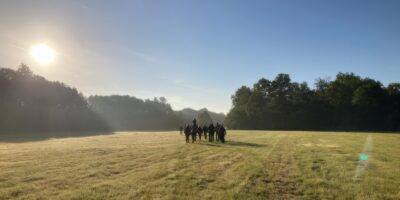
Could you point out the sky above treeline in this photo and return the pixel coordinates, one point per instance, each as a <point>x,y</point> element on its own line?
<point>197,53</point>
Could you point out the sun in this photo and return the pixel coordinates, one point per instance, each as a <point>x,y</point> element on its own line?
<point>42,54</point>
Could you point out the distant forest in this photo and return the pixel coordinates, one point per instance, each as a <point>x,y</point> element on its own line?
<point>30,103</point>
<point>347,103</point>
<point>131,113</point>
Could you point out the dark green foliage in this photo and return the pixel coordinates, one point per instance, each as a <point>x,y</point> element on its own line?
<point>347,103</point>
<point>31,103</point>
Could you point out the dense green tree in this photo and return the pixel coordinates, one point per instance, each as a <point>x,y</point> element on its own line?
<point>347,103</point>
<point>30,103</point>
<point>238,115</point>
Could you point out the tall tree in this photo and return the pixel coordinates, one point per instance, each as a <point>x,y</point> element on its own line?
<point>30,103</point>
<point>347,103</point>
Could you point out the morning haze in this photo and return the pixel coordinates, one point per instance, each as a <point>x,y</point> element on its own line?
<point>222,99</point>
<point>189,51</point>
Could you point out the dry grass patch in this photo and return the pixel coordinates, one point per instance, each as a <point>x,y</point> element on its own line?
<point>160,165</point>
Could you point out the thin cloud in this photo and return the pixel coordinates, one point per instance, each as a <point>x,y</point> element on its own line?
<point>143,56</point>
<point>185,84</point>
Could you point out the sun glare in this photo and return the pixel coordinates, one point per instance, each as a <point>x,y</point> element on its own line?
<point>42,54</point>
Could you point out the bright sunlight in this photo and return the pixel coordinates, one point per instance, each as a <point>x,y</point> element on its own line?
<point>42,54</point>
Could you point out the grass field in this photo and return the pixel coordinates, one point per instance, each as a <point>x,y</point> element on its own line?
<point>159,165</point>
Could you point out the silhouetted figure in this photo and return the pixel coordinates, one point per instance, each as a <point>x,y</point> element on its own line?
<point>187,133</point>
<point>217,131</point>
<point>205,131</point>
<point>180,130</point>
<point>194,133</point>
<point>221,133</point>
<point>211,131</point>
<point>194,121</point>
<point>199,131</point>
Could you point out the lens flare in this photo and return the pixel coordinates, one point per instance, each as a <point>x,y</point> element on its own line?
<point>363,157</point>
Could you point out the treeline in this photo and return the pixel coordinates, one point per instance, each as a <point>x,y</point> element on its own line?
<point>30,103</point>
<point>131,113</point>
<point>347,103</point>
<point>203,116</point>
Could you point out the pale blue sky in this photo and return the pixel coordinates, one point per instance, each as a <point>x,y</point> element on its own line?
<point>197,53</point>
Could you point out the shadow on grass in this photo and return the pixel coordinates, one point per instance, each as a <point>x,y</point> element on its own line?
<point>244,144</point>
<point>212,144</point>
<point>233,143</point>
<point>38,136</point>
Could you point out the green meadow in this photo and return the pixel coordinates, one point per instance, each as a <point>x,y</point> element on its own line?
<point>160,165</point>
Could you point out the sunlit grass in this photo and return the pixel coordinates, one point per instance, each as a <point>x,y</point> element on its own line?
<point>252,165</point>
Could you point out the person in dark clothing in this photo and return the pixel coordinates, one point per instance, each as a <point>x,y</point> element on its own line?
<point>187,133</point>
<point>211,131</point>
<point>199,131</point>
<point>205,131</point>
<point>217,131</point>
<point>222,133</point>
<point>194,133</point>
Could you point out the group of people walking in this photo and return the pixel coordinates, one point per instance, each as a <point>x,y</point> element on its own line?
<point>212,133</point>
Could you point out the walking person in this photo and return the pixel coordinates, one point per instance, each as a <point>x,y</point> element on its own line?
<point>216,132</point>
<point>194,133</point>
<point>199,131</point>
<point>211,131</point>
<point>222,133</point>
<point>187,133</point>
<point>205,131</point>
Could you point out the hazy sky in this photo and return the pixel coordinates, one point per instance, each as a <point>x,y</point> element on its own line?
<point>196,53</point>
